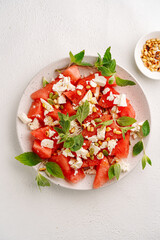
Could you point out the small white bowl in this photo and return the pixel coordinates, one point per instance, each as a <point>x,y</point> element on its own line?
<point>137,55</point>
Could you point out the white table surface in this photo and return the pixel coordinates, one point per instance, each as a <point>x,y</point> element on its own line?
<point>34,33</point>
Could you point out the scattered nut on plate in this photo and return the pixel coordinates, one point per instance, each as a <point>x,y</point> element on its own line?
<point>151,54</point>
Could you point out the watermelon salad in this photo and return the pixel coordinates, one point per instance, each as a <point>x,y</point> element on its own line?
<point>81,126</point>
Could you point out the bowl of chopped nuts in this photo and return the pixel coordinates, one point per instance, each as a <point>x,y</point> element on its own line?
<point>147,55</point>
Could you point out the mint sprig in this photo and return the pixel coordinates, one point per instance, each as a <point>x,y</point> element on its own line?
<point>42,181</point>
<point>29,158</point>
<point>82,112</point>
<point>77,59</point>
<point>44,82</point>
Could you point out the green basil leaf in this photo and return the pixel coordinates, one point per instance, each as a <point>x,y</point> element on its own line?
<point>138,147</point>
<point>54,170</point>
<point>78,142</point>
<point>59,130</point>
<point>122,82</point>
<point>126,121</point>
<point>44,82</point>
<point>105,153</point>
<point>112,66</point>
<point>107,55</point>
<point>105,71</point>
<point>145,128</point>
<point>105,123</point>
<point>111,173</point>
<point>42,181</point>
<point>68,143</point>
<point>29,158</point>
<point>82,112</point>
<point>117,170</point>
<point>79,56</point>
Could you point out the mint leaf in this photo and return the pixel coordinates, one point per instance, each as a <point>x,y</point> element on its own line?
<point>72,117</point>
<point>105,71</point>
<point>44,82</point>
<point>29,158</point>
<point>97,120</point>
<point>117,170</point>
<point>105,153</point>
<point>78,142</point>
<point>82,112</point>
<point>42,181</point>
<point>54,169</point>
<point>112,65</point>
<point>99,61</point>
<point>126,121</point>
<point>59,130</point>
<point>111,79</point>
<point>107,55</point>
<point>138,147</point>
<point>68,143</point>
<point>145,160</point>
<point>65,125</point>
<point>111,173</point>
<point>105,123</point>
<point>79,56</point>
<point>63,117</point>
<point>114,171</point>
<point>72,58</point>
<point>145,128</point>
<point>122,82</point>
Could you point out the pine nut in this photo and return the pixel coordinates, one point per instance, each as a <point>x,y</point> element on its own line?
<point>79,93</point>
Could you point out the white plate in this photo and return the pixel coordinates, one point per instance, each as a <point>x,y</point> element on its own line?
<point>134,93</point>
<point>137,55</point>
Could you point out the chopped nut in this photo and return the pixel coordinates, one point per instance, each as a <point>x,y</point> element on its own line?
<point>72,130</point>
<point>100,142</point>
<point>42,169</point>
<point>55,101</point>
<point>79,93</point>
<point>94,109</point>
<point>88,155</point>
<point>92,129</point>
<point>108,139</point>
<point>108,129</point>
<point>99,155</point>
<point>56,106</point>
<point>84,126</point>
<point>88,87</point>
<point>88,128</point>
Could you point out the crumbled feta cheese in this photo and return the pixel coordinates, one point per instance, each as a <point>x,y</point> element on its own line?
<point>100,80</point>
<point>124,166</point>
<point>96,94</point>
<point>50,133</point>
<point>137,127</point>
<point>106,90</point>
<point>93,84</point>
<point>47,143</point>
<point>82,153</point>
<point>61,99</point>
<point>120,100</point>
<point>76,164</point>
<point>80,87</point>
<point>111,145</point>
<point>48,120</point>
<point>114,109</point>
<point>90,171</point>
<point>67,153</point>
<point>100,157</point>
<point>101,133</point>
<point>110,97</point>
<point>63,85</point>
<point>93,138</point>
<point>34,125</point>
<point>95,148</point>
<point>87,97</point>
<point>45,112</point>
<point>75,172</point>
<point>46,105</point>
<point>87,124</point>
<point>23,117</point>
<point>104,145</point>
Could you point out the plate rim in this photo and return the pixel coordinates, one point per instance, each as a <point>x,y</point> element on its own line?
<point>50,179</point>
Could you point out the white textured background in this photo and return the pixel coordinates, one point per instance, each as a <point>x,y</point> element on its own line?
<point>34,33</point>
